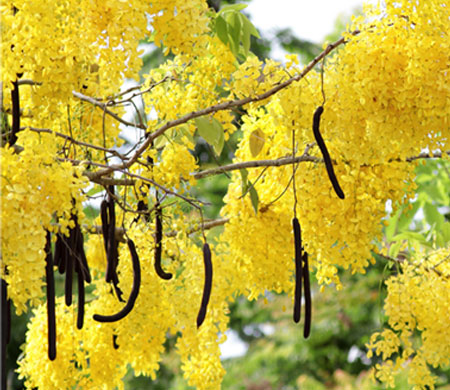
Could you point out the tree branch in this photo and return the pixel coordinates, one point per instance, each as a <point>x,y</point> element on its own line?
<point>227,105</point>
<point>255,164</point>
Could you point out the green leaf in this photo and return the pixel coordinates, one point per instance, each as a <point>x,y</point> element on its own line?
<point>406,216</point>
<point>95,190</point>
<point>445,233</point>
<point>234,31</point>
<point>256,142</point>
<point>233,7</point>
<point>212,132</point>
<point>254,198</point>
<point>221,29</point>
<point>160,142</point>
<point>392,227</point>
<point>246,39</point>
<point>244,175</point>
<point>219,142</point>
<point>433,216</point>
<point>394,249</point>
<point>247,25</point>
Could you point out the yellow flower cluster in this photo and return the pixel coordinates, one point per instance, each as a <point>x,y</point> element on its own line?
<point>418,312</point>
<point>37,191</point>
<point>179,25</point>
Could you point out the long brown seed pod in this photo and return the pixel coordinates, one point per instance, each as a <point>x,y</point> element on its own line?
<point>325,154</point>
<point>158,246</point>
<point>81,256</point>
<point>112,253</point>
<point>80,314</point>
<point>134,290</point>
<point>207,286</point>
<point>307,325</point>
<point>51,318</point>
<point>298,269</point>
<point>64,253</point>
<point>81,261</point>
<point>104,218</point>
<point>15,101</point>
<point>6,329</point>
<point>69,269</point>
<point>6,314</point>
<point>58,250</point>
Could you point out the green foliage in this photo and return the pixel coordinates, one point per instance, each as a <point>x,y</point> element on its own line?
<point>235,29</point>
<point>212,132</point>
<point>423,221</point>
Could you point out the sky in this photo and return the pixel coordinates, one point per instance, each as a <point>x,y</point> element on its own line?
<point>309,19</point>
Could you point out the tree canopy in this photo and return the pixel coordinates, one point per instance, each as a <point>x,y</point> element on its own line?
<point>317,151</point>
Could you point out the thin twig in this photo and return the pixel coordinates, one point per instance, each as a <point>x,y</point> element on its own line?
<point>103,106</point>
<point>73,140</point>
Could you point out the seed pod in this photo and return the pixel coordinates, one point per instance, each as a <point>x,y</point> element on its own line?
<point>15,101</point>
<point>111,253</point>
<point>81,297</point>
<point>69,269</point>
<point>207,286</point>
<point>307,326</point>
<point>115,345</point>
<point>51,318</point>
<point>6,329</point>
<point>325,154</point>
<point>82,261</point>
<point>158,246</point>
<point>6,313</point>
<point>104,218</point>
<point>298,269</point>
<point>117,289</point>
<point>134,291</point>
<point>58,250</point>
<point>64,254</point>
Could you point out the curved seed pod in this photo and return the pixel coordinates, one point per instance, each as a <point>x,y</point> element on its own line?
<point>158,246</point>
<point>134,291</point>
<point>117,289</point>
<point>51,319</point>
<point>307,326</point>
<point>207,286</point>
<point>298,269</point>
<point>115,345</point>
<point>325,154</point>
